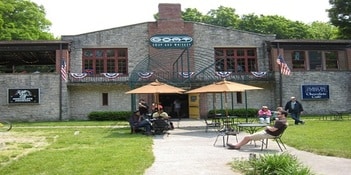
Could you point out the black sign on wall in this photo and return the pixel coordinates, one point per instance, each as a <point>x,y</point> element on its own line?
<point>23,95</point>
<point>315,92</point>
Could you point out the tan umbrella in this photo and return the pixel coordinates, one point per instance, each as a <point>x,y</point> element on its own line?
<point>224,86</point>
<point>156,88</point>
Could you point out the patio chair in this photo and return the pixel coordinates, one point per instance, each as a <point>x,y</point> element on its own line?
<point>212,122</point>
<point>277,139</point>
<point>226,133</point>
<point>160,126</point>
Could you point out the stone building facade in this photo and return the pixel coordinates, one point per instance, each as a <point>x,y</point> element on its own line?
<point>103,65</point>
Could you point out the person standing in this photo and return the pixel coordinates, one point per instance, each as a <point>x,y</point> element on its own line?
<point>177,105</point>
<point>143,108</point>
<point>295,109</point>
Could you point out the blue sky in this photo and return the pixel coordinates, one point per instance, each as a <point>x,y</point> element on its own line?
<point>70,17</point>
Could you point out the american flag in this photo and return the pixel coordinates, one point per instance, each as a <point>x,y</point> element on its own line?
<point>63,71</point>
<point>284,69</point>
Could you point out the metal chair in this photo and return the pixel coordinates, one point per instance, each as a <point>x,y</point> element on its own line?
<point>277,139</point>
<point>227,133</point>
<point>212,122</point>
<point>229,129</point>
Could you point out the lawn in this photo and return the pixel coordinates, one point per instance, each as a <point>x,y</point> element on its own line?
<point>324,137</point>
<point>74,148</point>
<point>90,148</point>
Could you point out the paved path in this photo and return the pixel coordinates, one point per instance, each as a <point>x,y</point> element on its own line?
<point>189,150</point>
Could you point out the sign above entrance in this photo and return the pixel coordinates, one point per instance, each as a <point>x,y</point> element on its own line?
<point>171,41</point>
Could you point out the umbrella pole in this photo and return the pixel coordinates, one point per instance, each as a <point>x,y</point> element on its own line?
<point>246,108</point>
<point>226,104</point>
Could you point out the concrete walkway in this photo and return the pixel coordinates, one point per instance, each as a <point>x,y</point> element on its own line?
<point>189,150</point>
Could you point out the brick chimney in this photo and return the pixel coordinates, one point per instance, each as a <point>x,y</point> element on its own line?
<point>170,16</point>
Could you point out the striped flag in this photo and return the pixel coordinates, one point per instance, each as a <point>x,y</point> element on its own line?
<point>63,71</point>
<point>284,69</point>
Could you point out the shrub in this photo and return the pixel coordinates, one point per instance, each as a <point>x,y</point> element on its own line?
<point>272,164</point>
<point>109,115</point>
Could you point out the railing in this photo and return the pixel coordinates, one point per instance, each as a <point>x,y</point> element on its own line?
<point>173,78</point>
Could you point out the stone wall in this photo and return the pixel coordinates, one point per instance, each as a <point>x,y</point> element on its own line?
<point>48,107</point>
<point>339,90</point>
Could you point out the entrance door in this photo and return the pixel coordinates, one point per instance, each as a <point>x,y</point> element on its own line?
<point>194,106</point>
<point>167,101</point>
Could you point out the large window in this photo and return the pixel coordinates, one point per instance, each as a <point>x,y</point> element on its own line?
<point>315,60</point>
<point>298,60</point>
<point>96,61</point>
<point>331,60</point>
<point>236,59</point>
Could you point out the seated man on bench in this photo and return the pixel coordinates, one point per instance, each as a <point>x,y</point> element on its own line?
<point>136,121</point>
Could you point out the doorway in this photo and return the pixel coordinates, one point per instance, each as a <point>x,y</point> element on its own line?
<point>167,101</point>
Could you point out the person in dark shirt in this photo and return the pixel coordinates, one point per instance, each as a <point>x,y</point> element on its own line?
<point>143,108</point>
<point>136,121</point>
<point>269,133</point>
<point>295,109</point>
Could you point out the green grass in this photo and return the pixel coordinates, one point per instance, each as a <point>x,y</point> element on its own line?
<point>95,150</point>
<point>324,137</point>
<point>100,148</point>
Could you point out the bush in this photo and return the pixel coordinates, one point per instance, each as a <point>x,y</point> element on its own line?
<point>109,115</point>
<point>272,164</point>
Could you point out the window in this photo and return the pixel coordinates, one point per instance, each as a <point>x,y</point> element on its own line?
<point>96,61</point>
<point>331,60</point>
<point>315,60</point>
<point>298,59</point>
<point>235,59</point>
<point>239,97</point>
<point>104,99</point>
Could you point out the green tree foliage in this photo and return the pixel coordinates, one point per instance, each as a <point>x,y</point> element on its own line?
<point>321,30</point>
<point>274,24</point>
<point>223,16</point>
<point>192,14</point>
<point>340,16</point>
<point>271,24</point>
<point>23,20</point>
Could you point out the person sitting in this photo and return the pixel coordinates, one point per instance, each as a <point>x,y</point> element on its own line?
<point>160,114</point>
<point>264,115</point>
<point>269,133</point>
<point>136,121</point>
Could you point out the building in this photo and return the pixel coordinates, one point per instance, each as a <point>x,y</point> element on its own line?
<point>102,65</point>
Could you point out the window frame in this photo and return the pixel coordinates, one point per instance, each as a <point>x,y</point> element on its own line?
<point>98,60</point>
<point>236,60</point>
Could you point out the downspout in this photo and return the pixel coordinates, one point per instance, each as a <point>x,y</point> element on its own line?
<point>60,89</point>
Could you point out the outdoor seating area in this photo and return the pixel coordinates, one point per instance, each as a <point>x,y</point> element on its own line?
<point>336,115</point>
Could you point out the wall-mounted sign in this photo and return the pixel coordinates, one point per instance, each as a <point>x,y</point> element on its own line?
<point>23,95</point>
<point>315,92</point>
<point>171,41</point>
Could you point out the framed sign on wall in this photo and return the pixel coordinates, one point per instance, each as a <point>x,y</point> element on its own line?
<point>23,95</point>
<point>315,92</point>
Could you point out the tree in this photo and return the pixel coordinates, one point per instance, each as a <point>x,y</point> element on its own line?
<point>340,16</point>
<point>274,24</point>
<point>223,16</point>
<point>322,30</point>
<point>23,20</point>
<point>192,14</point>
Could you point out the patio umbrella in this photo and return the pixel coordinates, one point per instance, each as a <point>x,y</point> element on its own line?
<point>224,86</point>
<point>156,88</point>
